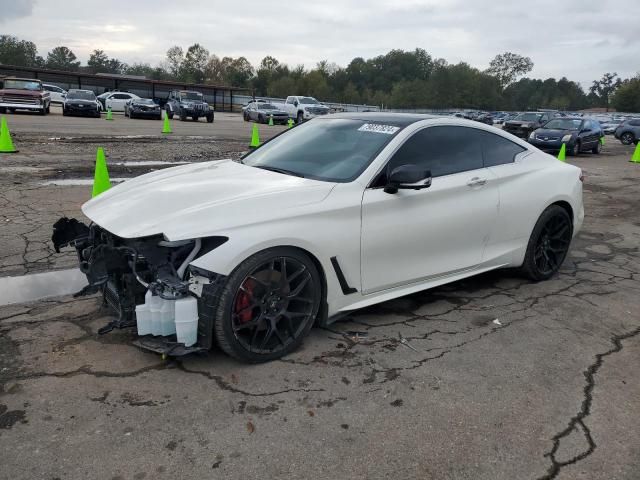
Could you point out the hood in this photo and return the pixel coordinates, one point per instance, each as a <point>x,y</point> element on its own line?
<point>24,93</point>
<point>555,132</point>
<point>202,199</point>
<point>80,101</point>
<point>274,111</point>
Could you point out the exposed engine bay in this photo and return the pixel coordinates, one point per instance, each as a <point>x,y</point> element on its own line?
<point>144,275</point>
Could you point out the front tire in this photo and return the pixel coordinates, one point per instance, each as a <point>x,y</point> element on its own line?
<point>300,118</point>
<point>597,148</point>
<point>575,150</point>
<point>548,244</point>
<point>169,113</point>
<point>210,118</point>
<point>268,305</point>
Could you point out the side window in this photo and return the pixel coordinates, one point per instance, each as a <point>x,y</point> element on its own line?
<point>635,123</point>
<point>587,125</point>
<point>498,150</point>
<point>121,96</point>
<point>443,150</point>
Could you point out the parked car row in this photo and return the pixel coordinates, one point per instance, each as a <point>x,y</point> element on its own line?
<point>298,108</point>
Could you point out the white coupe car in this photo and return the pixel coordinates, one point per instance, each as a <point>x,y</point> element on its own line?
<point>336,214</point>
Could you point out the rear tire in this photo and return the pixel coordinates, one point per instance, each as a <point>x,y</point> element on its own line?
<point>627,138</point>
<point>548,244</point>
<point>261,314</point>
<point>183,116</point>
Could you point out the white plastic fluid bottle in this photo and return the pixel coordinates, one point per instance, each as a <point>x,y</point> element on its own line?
<point>167,317</point>
<point>143,315</point>
<point>186,322</point>
<point>155,302</point>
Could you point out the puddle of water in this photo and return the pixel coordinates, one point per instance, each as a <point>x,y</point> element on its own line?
<point>77,181</point>
<point>40,285</point>
<point>148,163</point>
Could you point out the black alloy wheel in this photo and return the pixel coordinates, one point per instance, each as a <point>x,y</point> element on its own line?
<point>269,304</point>
<point>549,244</point>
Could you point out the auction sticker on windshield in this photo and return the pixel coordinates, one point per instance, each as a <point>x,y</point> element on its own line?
<point>377,128</point>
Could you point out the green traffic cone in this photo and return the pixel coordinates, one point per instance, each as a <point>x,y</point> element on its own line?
<point>166,128</point>
<point>290,122</point>
<point>101,181</point>
<point>255,137</point>
<point>634,159</point>
<point>602,140</point>
<point>6,144</point>
<point>271,120</point>
<point>563,153</point>
<point>109,114</point>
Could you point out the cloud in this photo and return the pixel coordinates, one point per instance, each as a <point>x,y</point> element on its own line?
<point>579,39</point>
<point>11,9</point>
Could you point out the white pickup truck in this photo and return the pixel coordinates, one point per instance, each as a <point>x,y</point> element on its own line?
<point>304,108</point>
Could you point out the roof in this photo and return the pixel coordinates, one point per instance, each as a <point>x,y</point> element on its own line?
<point>401,119</point>
<point>24,79</point>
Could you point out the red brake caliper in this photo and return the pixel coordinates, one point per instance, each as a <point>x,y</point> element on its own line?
<point>243,300</point>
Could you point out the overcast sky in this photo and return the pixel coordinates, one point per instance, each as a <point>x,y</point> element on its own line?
<point>579,39</point>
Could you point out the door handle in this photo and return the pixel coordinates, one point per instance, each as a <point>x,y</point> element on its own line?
<point>476,182</point>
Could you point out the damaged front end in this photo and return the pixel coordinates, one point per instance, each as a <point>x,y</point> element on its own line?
<point>150,276</point>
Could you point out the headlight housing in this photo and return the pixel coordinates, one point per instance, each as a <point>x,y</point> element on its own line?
<point>532,136</point>
<point>567,138</point>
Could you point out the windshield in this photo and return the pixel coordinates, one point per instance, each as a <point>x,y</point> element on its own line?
<point>308,101</point>
<point>80,96</point>
<point>332,150</point>
<point>529,117</point>
<point>563,124</point>
<point>190,96</point>
<point>23,85</point>
<point>266,106</point>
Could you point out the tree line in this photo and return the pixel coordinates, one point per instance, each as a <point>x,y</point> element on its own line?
<point>397,79</point>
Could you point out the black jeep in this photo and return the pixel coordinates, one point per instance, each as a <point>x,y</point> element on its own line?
<point>187,103</point>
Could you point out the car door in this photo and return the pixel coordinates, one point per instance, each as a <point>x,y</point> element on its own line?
<point>253,111</point>
<point>416,235</point>
<point>517,211</point>
<point>595,132</point>
<point>117,101</point>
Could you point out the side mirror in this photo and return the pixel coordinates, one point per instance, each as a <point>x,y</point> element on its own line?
<point>408,177</point>
<point>295,104</point>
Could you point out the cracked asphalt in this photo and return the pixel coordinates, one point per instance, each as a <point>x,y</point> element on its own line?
<point>493,377</point>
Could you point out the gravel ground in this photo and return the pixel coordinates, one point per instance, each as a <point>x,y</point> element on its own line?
<point>502,378</point>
